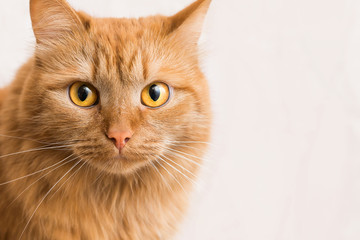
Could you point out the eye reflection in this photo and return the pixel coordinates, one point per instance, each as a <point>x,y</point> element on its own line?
<point>83,94</point>
<point>155,95</point>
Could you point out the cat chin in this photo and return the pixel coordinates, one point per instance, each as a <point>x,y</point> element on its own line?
<point>118,165</point>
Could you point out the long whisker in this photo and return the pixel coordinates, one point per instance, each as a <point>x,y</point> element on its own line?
<point>37,180</point>
<point>42,142</point>
<point>191,180</point>
<point>185,158</point>
<point>35,149</point>
<point>187,154</point>
<point>73,174</point>
<point>32,215</point>
<point>173,178</point>
<point>203,151</point>
<point>31,174</point>
<point>182,167</point>
<point>22,138</point>
<point>186,146</point>
<point>164,180</point>
<point>208,143</point>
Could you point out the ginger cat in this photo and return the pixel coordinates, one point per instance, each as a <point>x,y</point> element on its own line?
<point>103,130</point>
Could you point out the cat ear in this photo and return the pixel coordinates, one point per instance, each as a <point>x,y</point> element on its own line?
<point>187,24</point>
<point>52,20</point>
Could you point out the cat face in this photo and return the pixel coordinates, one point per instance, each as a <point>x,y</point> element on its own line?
<point>121,91</point>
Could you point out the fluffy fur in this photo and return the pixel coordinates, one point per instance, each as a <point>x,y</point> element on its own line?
<point>62,177</point>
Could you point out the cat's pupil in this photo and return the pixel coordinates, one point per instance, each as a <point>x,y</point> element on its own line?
<point>154,92</point>
<point>83,92</point>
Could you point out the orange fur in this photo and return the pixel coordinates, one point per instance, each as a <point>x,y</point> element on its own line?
<point>74,186</point>
<point>3,94</point>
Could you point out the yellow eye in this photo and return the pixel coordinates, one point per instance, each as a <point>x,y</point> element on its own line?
<point>83,94</point>
<point>155,95</point>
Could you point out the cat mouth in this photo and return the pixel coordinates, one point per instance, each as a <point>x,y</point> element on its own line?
<point>119,157</point>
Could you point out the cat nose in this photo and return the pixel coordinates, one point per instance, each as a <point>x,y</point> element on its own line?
<point>119,137</point>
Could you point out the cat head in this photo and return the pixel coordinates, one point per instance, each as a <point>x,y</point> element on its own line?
<point>123,92</point>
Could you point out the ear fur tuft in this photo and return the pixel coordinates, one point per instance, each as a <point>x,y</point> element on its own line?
<point>187,24</point>
<point>52,20</point>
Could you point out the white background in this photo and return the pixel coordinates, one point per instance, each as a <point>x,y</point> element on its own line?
<point>285,82</point>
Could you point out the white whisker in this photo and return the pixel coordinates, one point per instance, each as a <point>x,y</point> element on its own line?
<point>184,168</point>
<point>42,178</point>
<point>32,215</point>
<point>37,141</point>
<point>187,154</point>
<point>185,158</point>
<point>73,174</point>
<point>191,180</point>
<point>164,180</point>
<point>36,149</point>
<point>209,143</point>
<point>175,179</point>
<point>31,174</point>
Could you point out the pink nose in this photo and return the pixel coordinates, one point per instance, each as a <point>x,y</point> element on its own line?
<point>119,137</point>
